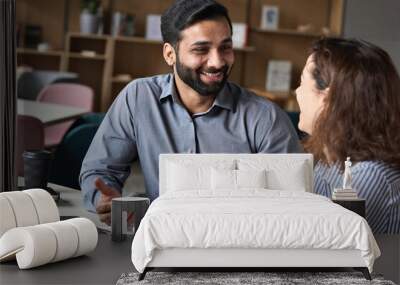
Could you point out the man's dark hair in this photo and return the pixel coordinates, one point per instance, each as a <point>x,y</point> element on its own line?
<point>185,13</point>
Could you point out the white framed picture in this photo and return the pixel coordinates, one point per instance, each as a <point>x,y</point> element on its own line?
<point>239,34</point>
<point>279,74</point>
<point>153,27</point>
<point>270,17</point>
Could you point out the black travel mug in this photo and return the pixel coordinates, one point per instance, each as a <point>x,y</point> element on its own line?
<point>37,165</point>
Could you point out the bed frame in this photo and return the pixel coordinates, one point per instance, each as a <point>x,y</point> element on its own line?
<point>242,259</point>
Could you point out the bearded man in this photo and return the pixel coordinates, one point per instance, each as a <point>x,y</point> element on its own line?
<point>194,109</point>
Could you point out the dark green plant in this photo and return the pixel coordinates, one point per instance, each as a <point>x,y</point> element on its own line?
<point>91,6</point>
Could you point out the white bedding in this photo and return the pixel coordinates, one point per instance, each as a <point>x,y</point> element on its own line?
<point>250,218</point>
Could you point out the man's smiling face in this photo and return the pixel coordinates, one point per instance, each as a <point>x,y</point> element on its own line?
<point>205,56</point>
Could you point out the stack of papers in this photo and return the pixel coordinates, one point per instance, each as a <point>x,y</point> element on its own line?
<point>344,194</point>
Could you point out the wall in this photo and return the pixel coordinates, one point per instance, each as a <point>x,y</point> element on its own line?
<point>376,21</point>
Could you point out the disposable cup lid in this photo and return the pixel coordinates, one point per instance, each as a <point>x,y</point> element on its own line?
<point>38,154</point>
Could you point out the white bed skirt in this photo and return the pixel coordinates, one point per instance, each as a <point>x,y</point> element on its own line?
<point>189,257</point>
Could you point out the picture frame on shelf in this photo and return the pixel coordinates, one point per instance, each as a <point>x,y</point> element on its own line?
<point>270,17</point>
<point>153,27</point>
<point>239,34</point>
<point>279,75</point>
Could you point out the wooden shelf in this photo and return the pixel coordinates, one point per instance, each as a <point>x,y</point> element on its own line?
<point>82,56</point>
<point>89,36</point>
<point>119,80</point>
<point>273,96</point>
<point>245,49</point>
<point>289,32</point>
<point>37,52</point>
<point>140,40</point>
<point>285,100</point>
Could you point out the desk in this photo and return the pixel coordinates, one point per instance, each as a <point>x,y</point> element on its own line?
<point>48,113</point>
<point>104,265</point>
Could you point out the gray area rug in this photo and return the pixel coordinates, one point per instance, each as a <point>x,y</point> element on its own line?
<point>269,278</point>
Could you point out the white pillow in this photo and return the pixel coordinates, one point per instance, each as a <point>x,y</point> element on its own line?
<point>251,178</point>
<point>183,178</point>
<point>237,179</point>
<point>193,175</point>
<point>281,174</point>
<point>293,179</point>
<point>223,179</point>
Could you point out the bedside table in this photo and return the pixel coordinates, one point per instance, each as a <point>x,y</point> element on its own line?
<point>356,205</point>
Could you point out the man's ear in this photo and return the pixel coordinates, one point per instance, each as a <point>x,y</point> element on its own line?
<point>169,54</point>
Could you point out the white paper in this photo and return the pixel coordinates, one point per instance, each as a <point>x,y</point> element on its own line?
<point>278,75</point>
<point>153,27</point>
<point>239,34</point>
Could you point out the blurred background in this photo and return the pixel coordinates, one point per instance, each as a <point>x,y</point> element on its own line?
<point>75,56</point>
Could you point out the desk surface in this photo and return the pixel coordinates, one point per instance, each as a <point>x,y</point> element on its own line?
<point>102,266</point>
<point>48,113</point>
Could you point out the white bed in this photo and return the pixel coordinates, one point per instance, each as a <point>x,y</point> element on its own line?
<point>247,210</point>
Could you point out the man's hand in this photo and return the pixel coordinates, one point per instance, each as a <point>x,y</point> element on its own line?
<point>103,207</point>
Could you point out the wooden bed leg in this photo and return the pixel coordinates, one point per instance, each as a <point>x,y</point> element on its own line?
<point>143,274</point>
<point>364,271</point>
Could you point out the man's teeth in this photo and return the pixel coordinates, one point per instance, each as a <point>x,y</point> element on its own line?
<point>213,74</point>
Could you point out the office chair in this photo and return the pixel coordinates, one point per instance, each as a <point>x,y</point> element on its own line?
<point>68,94</point>
<point>69,155</point>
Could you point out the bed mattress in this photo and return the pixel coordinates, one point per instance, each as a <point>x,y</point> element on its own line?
<point>250,219</point>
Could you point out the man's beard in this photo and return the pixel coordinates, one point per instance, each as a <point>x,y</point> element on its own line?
<point>192,78</point>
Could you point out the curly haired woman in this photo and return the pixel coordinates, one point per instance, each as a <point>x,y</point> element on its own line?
<point>349,99</point>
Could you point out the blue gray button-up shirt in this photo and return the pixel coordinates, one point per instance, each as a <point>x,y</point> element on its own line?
<point>148,119</point>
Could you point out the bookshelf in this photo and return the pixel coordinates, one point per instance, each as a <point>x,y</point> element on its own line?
<point>107,63</point>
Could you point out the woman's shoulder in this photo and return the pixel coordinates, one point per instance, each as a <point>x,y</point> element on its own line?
<point>369,170</point>
<point>377,168</point>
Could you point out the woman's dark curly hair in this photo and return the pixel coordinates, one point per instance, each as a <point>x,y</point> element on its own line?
<point>361,115</point>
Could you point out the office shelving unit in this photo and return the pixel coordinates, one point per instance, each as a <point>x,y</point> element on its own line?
<point>108,63</point>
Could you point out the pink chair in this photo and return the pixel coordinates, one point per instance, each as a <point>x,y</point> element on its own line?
<point>69,94</point>
<point>30,136</point>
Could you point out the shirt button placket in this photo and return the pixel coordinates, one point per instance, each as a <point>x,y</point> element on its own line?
<point>191,137</point>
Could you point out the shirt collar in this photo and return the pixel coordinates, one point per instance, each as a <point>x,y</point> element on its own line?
<point>225,99</point>
<point>169,89</point>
